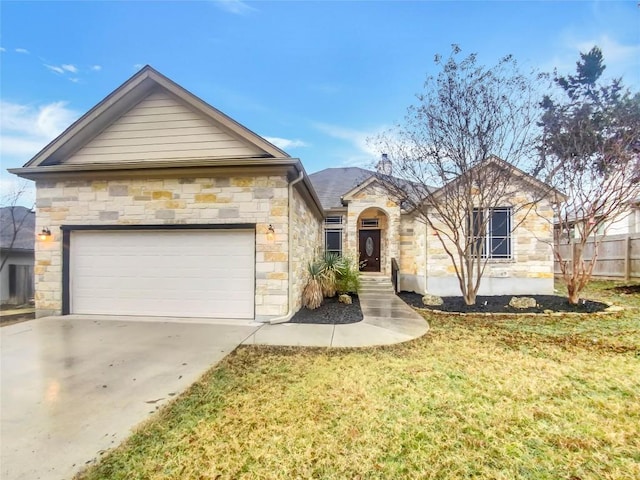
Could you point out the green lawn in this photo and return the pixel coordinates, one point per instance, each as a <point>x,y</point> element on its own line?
<point>528,397</point>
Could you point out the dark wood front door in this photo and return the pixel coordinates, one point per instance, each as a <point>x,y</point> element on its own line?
<point>369,250</point>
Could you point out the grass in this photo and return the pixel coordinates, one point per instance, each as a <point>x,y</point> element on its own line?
<point>477,397</point>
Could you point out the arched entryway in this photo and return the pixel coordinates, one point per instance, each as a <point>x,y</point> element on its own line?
<point>373,227</point>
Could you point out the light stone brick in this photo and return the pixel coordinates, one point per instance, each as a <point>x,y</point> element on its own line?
<point>106,202</point>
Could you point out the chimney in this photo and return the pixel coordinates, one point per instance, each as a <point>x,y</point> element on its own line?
<point>384,166</point>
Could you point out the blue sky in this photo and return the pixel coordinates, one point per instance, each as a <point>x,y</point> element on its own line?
<point>316,78</point>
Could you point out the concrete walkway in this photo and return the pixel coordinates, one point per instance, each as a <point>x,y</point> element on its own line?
<point>387,320</point>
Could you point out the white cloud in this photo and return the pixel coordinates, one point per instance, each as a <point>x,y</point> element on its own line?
<point>11,185</point>
<point>25,129</point>
<point>2,49</point>
<point>138,66</point>
<point>96,68</point>
<point>285,143</point>
<point>360,151</point>
<point>55,69</point>
<point>74,79</point>
<point>69,68</point>
<point>22,50</point>
<point>237,7</point>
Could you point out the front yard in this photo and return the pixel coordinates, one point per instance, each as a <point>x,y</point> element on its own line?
<point>513,397</point>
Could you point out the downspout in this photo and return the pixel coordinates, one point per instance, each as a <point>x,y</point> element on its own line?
<point>289,313</point>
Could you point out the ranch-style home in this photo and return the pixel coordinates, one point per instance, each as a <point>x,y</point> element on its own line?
<point>154,203</point>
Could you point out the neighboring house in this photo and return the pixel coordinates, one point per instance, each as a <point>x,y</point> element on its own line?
<point>17,238</point>
<point>161,205</point>
<point>626,222</point>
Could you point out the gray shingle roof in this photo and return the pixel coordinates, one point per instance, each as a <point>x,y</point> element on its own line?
<point>332,183</point>
<point>26,232</point>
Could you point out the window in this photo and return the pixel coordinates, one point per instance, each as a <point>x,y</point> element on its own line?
<point>333,241</point>
<point>493,239</point>
<point>333,220</point>
<point>369,222</point>
<point>333,234</point>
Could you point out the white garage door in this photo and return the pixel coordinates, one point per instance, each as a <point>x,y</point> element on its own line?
<point>183,273</point>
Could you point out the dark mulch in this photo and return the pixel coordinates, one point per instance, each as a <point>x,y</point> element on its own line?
<point>626,289</point>
<point>331,312</point>
<point>500,304</point>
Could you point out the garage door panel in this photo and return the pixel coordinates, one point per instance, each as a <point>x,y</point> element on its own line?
<point>189,273</point>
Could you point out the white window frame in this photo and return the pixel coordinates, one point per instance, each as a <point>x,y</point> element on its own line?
<point>487,237</point>
<point>369,223</point>
<point>326,243</point>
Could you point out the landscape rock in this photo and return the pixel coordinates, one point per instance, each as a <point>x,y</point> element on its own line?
<point>523,302</point>
<point>344,298</point>
<point>432,300</point>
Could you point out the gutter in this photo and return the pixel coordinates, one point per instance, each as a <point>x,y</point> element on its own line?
<point>289,314</point>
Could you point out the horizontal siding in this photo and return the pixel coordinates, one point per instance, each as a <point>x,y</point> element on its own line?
<point>160,128</point>
<point>155,156</point>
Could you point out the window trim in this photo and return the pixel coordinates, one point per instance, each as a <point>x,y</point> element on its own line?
<point>370,222</point>
<point>487,237</point>
<point>326,243</point>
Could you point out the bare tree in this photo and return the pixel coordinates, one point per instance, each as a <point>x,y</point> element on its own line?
<point>13,221</point>
<point>455,160</point>
<point>589,148</point>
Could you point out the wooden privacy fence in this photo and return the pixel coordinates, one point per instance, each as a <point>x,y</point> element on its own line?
<point>618,256</point>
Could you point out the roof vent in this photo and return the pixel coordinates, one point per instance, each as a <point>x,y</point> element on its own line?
<point>384,166</point>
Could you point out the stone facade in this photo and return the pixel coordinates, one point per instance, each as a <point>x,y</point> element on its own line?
<point>528,271</point>
<point>262,200</point>
<point>307,240</point>
<point>413,251</point>
<point>426,267</point>
<point>373,202</point>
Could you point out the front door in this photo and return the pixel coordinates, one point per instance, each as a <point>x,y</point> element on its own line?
<point>370,250</point>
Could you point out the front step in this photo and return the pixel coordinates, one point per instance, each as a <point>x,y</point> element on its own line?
<point>375,284</point>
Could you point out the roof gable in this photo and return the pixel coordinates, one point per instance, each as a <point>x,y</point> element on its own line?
<point>332,183</point>
<point>150,101</point>
<point>494,162</point>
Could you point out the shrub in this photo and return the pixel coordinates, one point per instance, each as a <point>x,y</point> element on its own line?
<point>348,279</point>
<point>312,293</point>
<point>333,264</point>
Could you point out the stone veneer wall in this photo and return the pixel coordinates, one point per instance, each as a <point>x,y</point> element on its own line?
<point>262,200</point>
<point>307,231</point>
<point>413,249</point>
<point>374,196</point>
<point>530,271</point>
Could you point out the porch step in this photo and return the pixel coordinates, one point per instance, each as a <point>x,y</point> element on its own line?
<point>375,284</point>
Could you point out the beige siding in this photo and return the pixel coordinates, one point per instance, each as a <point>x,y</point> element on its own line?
<point>161,127</point>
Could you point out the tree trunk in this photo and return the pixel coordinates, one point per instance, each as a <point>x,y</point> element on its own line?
<point>573,292</point>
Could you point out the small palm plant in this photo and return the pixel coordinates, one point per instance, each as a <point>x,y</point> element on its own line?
<point>348,280</point>
<point>312,293</point>
<point>333,266</point>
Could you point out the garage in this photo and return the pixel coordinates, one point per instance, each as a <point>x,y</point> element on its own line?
<point>185,272</point>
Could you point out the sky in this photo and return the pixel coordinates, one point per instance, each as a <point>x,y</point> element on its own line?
<point>315,78</point>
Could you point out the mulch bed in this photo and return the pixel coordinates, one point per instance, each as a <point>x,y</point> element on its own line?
<point>331,312</point>
<point>626,289</point>
<point>500,304</point>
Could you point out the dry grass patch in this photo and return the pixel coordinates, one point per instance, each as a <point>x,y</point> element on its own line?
<point>476,397</point>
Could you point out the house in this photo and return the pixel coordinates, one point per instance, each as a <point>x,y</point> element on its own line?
<point>624,221</point>
<point>363,220</point>
<point>17,239</point>
<point>159,204</point>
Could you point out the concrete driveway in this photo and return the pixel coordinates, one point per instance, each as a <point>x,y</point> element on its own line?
<point>72,387</point>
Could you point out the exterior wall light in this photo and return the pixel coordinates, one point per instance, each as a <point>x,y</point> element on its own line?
<point>44,234</point>
<point>271,233</point>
